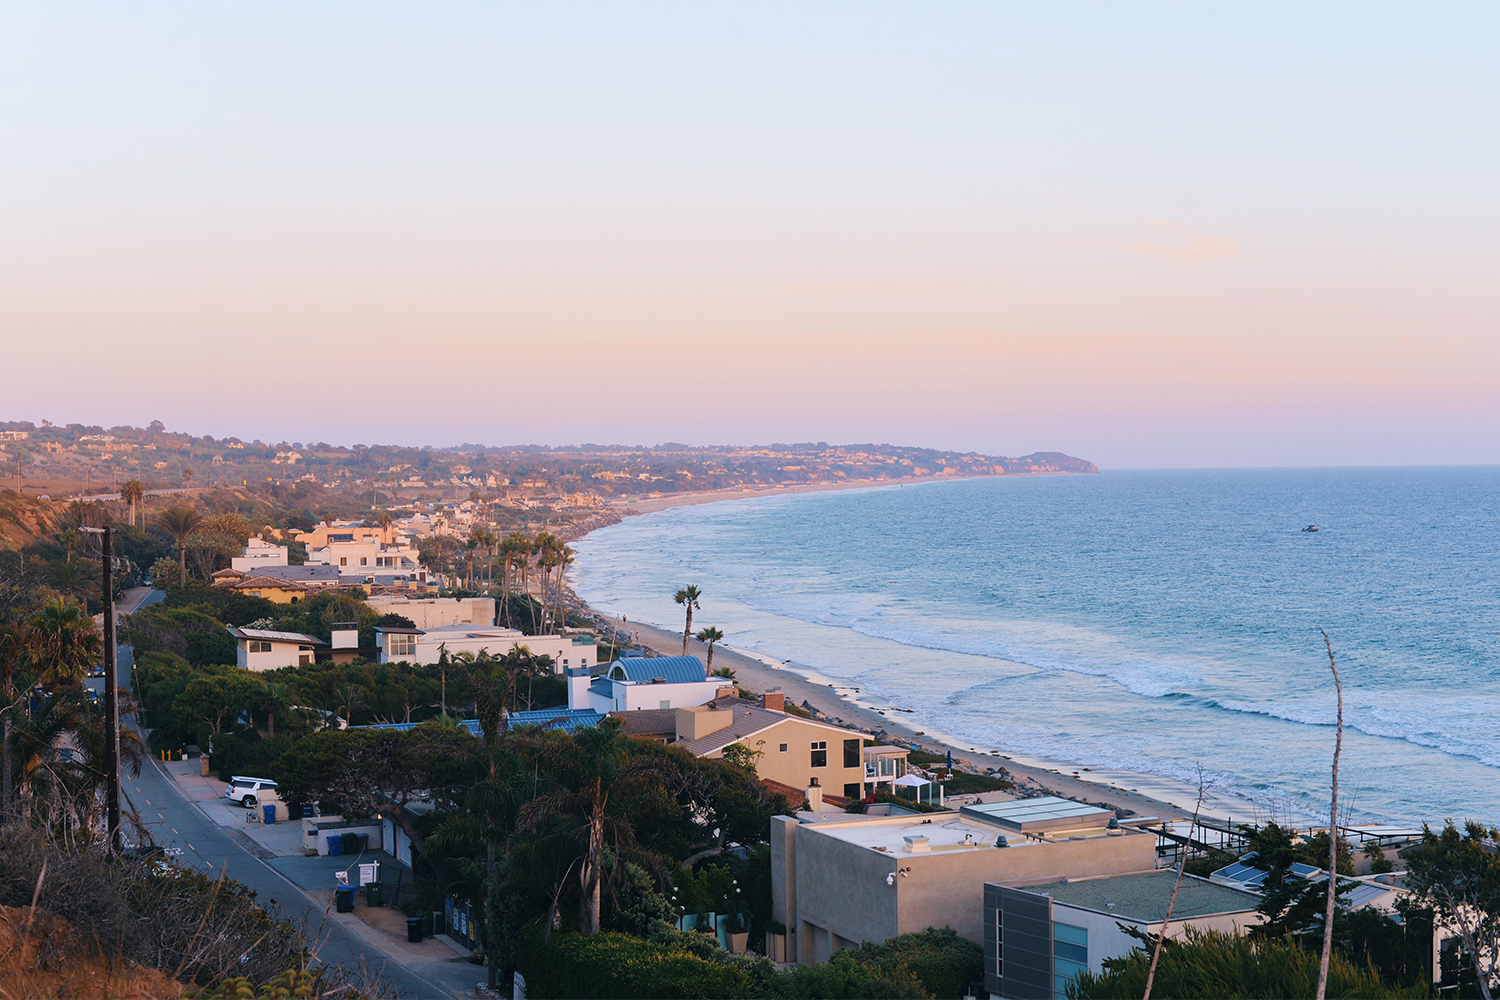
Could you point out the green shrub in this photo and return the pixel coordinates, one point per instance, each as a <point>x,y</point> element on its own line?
<point>1217,964</point>
<point>612,965</point>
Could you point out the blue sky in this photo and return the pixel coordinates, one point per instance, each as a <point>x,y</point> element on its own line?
<point>1152,236</point>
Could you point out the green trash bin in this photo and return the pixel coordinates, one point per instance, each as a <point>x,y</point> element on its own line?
<point>375,894</point>
<point>351,843</point>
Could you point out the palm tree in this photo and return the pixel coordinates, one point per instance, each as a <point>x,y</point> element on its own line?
<point>595,774</point>
<point>347,697</point>
<point>133,493</point>
<point>69,537</point>
<point>180,522</point>
<point>688,596</point>
<point>63,644</point>
<point>277,697</point>
<point>513,547</point>
<point>710,635</point>
<point>564,560</point>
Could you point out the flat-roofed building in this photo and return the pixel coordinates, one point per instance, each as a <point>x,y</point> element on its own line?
<point>426,645</point>
<point>838,881</point>
<point>431,612</point>
<point>1038,937</point>
<point>258,553</point>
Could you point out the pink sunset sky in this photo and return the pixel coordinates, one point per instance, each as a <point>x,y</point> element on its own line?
<point>1166,235</point>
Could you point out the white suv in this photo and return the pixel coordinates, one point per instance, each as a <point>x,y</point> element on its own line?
<point>245,790</point>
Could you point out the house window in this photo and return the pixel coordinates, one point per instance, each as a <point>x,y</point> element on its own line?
<point>1070,955</point>
<point>820,754</point>
<point>402,645</point>
<point>303,660</point>
<point>363,561</point>
<point>258,646</point>
<point>854,791</point>
<point>343,560</point>
<point>851,753</point>
<point>783,748</point>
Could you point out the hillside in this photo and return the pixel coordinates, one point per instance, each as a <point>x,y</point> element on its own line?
<point>73,459</point>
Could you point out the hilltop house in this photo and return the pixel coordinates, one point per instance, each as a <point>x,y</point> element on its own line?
<point>261,649</point>
<point>258,553</point>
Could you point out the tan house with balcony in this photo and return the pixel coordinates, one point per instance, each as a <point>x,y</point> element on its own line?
<point>792,751</point>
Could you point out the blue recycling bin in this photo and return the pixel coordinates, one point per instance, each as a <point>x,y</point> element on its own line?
<point>269,812</point>
<point>336,845</point>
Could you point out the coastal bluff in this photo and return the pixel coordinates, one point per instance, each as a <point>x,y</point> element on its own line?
<point>1045,463</point>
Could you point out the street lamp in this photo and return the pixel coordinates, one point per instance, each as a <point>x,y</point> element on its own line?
<point>111,691</point>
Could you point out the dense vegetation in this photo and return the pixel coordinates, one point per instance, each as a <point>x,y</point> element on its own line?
<point>1212,964</point>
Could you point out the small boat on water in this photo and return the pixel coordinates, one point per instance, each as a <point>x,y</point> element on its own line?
<point>1311,527</point>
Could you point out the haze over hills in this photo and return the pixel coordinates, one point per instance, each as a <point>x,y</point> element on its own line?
<point>64,457</point>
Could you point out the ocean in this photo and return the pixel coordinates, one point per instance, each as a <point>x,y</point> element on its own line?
<point>1165,623</point>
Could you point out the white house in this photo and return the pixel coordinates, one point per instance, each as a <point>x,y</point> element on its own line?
<point>641,682</point>
<point>260,649</point>
<point>257,554</point>
<point>429,612</point>
<point>419,645</point>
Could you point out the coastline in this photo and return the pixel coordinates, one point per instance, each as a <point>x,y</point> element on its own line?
<point>650,505</point>
<point>1143,795</point>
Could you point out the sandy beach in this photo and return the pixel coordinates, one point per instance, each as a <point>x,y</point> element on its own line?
<point>1141,794</point>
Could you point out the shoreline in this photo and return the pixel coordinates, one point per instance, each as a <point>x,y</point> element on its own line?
<point>1144,795</point>
<point>650,505</point>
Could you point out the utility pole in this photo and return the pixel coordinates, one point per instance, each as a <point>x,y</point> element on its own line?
<point>111,693</point>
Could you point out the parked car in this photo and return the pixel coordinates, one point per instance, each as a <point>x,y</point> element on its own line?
<point>246,791</point>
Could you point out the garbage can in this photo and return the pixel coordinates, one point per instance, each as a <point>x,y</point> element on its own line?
<point>344,897</point>
<point>269,812</point>
<point>414,930</point>
<point>374,894</point>
<point>364,842</point>
<point>351,843</point>
<point>335,845</point>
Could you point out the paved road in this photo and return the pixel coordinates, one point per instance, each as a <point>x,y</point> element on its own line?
<point>174,822</point>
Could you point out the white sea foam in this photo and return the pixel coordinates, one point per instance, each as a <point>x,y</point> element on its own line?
<point>1148,621</point>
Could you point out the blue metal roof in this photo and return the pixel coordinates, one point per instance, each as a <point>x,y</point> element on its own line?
<point>565,719</point>
<point>669,669</point>
<point>568,720</point>
<point>469,725</point>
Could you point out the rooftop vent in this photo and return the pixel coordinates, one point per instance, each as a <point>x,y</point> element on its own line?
<point>917,845</point>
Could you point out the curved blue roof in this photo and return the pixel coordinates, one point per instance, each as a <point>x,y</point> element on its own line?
<point>671,669</point>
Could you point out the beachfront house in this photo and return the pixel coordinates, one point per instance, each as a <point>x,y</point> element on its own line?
<point>1039,936</point>
<point>641,682</point>
<point>838,880</point>
<point>425,645</point>
<point>813,760</point>
<point>261,649</point>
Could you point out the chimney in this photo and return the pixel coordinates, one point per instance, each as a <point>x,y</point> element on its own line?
<point>814,796</point>
<point>578,687</point>
<point>724,692</point>
<point>701,720</point>
<point>344,635</point>
<point>774,701</point>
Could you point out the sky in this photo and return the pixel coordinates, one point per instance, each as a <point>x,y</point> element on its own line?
<point>1163,235</point>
